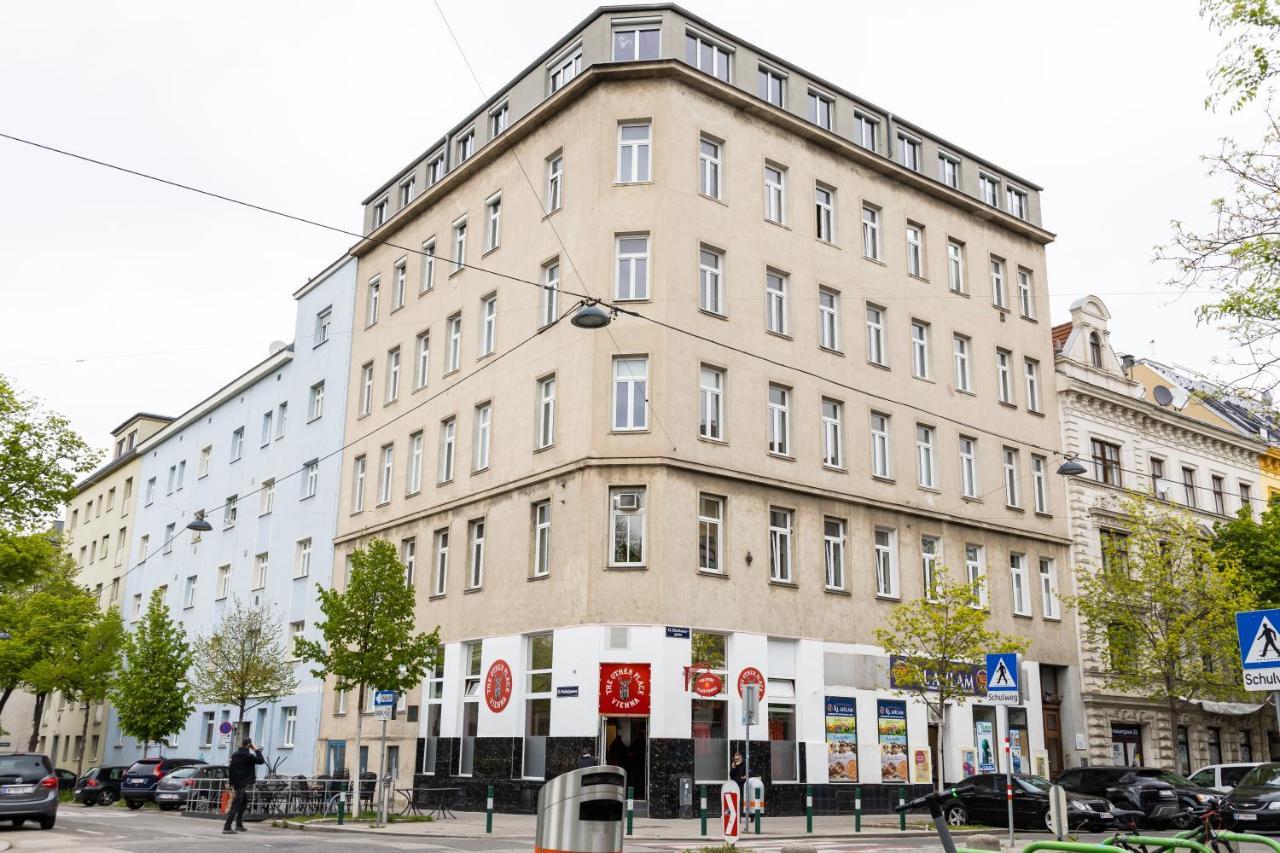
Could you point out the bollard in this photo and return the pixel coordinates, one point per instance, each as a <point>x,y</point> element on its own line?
<point>902,816</point>
<point>808,808</point>
<point>702,807</point>
<point>488,810</point>
<point>342,811</point>
<point>631,793</point>
<point>857,808</point>
<point>757,823</point>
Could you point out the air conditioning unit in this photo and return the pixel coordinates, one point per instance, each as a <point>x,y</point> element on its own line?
<point>1162,492</point>
<point>628,501</point>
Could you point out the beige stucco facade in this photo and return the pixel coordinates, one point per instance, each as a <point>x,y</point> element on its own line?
<point>97,536</point>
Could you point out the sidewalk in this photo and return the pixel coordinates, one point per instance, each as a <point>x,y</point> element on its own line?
<point>521,827</point>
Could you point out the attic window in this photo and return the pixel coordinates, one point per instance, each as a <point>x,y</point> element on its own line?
<point>1095,350</point>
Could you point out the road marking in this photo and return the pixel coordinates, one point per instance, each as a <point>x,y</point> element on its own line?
<point>90,832</point>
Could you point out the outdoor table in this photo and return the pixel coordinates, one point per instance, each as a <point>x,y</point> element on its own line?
<point>442,801</point>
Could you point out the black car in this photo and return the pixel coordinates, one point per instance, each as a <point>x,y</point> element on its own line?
<point>1254,804</point>
<point>1163,798</point>
<point>66,779</point>
<point>100,786</point>
<point>194,782</point>
<point>981,799</point>
<point>138,786</point>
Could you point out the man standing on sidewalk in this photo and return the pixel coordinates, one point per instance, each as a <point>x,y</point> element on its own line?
<point>242,770</point>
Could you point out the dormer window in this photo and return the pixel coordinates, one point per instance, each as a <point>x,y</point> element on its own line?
<point>1095,350</point>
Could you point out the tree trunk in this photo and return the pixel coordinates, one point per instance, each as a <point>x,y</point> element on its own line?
<point>1173,738</point>
<point>35,724</point>
<point>4,698</point>
<point>84,736</point>
<point>355,810</point>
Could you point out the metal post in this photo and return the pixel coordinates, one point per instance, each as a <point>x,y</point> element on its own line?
<point>702,807</point>
<point>488,809</point>
<point>1008,782</point>
<point>631,801</point>
<point>857,808</point>
<point>342,810</point>
<point>757,823</point>
<point>808,808</point>
<point>902,815</point>
<point>381,788</point>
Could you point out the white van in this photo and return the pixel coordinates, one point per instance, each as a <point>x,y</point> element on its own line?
<point>1221,777</point>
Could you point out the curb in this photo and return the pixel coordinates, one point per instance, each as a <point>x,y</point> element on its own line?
<point>5,845</point>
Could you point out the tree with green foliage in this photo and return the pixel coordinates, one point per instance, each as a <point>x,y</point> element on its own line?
<point>152,694</point>
<point>1162,607</point>
<point>25,557</point>
<point>1253,543</point>
<point>243,662</point>
<point>370,641</point>
<point>1251,55</point>
<point>89,667</point>
<point>938,640</point>
<point>41,458</point>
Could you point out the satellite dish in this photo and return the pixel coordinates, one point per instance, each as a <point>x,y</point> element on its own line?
<point>1162,394</point>
<point>276,346</point>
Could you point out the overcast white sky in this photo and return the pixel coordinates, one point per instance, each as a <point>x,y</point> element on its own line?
<point>117,295</point>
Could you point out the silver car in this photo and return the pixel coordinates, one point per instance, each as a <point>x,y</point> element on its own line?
<point>28,789</point>
<point>188,784</point>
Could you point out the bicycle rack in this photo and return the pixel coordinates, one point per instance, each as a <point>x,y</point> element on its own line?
<point>1066,846</point>
<point>1249,838</point>
<point>1172,843</point>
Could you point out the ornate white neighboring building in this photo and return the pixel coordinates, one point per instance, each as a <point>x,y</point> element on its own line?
<point>1135,438</point>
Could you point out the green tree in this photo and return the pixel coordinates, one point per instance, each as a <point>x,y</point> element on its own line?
<point>243,662</point>
<point>90,667</point>
<point>369,633</point>
<point>41,458</point>
<point>152,694</point>
<point>939,640</point>
<point>1254,545</point>
<point>24,557</point>
<point>1250,56</point>
<point>1162,607</point>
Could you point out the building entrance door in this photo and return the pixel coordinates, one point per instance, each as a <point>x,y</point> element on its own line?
<point>1053,737</point>
<point>624,742</point>
<point>1126,744</point>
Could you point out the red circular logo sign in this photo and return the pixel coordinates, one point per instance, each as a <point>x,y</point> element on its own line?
<point>707,684</point>
<point>750,675</point>
<point>624,689</point>
<point>497,686</point>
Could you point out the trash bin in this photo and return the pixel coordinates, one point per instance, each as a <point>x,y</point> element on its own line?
<point>581,811</point>
<point>755,795</point>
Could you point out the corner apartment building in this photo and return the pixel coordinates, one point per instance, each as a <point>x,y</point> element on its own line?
<point>1138,429</point>
<point>261,457</point>
<point>834,393</point>
<point>98,525</point>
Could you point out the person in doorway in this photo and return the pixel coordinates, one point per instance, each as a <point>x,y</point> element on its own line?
<point>242,771</point>
<point>587,759</point>
<point>617,752</point>
<point>738,775</point>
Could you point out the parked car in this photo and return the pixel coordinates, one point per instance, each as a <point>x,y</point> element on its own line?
<point>138,787</point>
<point>100,786</point>
<point>201,781</point>
<point>66,779</point>
<point>1254,804</point>
<point>981,799</point>
<point>1221,777</point>
<point>1136,789</point>
<point>28,789</point>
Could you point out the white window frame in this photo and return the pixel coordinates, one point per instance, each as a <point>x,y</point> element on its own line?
<point>459,244</point>
<point>775,193</point>
<point>915,250</point>
<point>955,266</point>
<point>453,352</point>
<point>975,567</point>
<point>448,449</point>
<point>358,471</point>
<point>631,268</point>
<point>632,516</point>
<point>711,532</point>
<point>546,436</point>
<point>949,170</point>
<point>920,349</point>
<point>871,232</point>
<point>475,552</point>
<point>829,319</point>
<point>311,479</point>
<point>1026,294</point>
<point>776,287</point>
<point>711,386</point>
<point>441,569</point>
<point>492,222</point>
<point>721,56</point>
<point>822,109</point>
<point>824,212</point>
<point>877,352</point>
<point>781,528</point>
<point>961,345</point>
<point>1004,376</point>
<point>969,482</point>
<point>779,406</point>
<point>1050,604</point>
<point>386,472</point>
<point>399,284</point>
<point>926,456</point>
<point>483,434</point>
<point>391,391</point>
<point>625,389</point>
<point>834,537</point>
<point>881,446</point>
<point>910,151</point>
<point>555,183</point>
<point>413,469</point>
<point>635,164</point>
<point>542,539</point>
<point>1040,484</point>
<point>366,388</point>
<point>302,561</point>
<point>422,359</point>
<point>428,266</point>
<point>885,550</point>
<point>373,300</point>
<point>1031,373</point>
<point>930,563</point>
<point>465,145</point>
<point>999,293</point>
<point>488,324</point>
<point>562,70</point>
<point>865,130</point>
<point>832,412</point>
<point>710,166</point>
<point>1016,201</point>
<point>1009,460</point>
<point>1019,585</point>
<point>766,90</point>
<point>989,189</point>
<point>711,280</point>
<point>549,304</point>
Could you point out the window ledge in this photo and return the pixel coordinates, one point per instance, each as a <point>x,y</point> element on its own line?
<point>777,224</point>
<point>1039,413</point>
<point>877,364</point>
<point>1052,618</point>
<point>1029,319</point>
<point>1044,514</point>
<point>489,251</point>
<point>831,590</point>
<point>1007,404</point>
<point>883,597</point>
<point>717,200</point>
<point>639,567</point>
<point>469,590</point>
<point>391,402</point>
<point>830,243</point>
<point>835,469</point>
<point>875,261</point>
<point>931,489</point>
<point>544,449</point>
<point>967,392</point>
<point>436,595</point>
<point>1023,616</point>
<point>538,577</point>
<point>973,499</point>
<point>709,313</point>
<point>633,183</point>
<point>1014,508</point>
<point>785,335</point>
<point>784,584</point>
<point>884,479</point>
<point>552,213</point>
<point>444,482</point>
<point>456,271</point>
<point>638,431</point>
<point>785,457</point>
<point>919,278</point>
<point>707,573</point>
<point>924,379</point>
<point>832,350</point>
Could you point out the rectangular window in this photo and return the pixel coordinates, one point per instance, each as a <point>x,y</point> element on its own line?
<point>876,353</point>
<point>493,222</point>
<point>709,166</point>
<point>542,539</point>
<point>459,243</point>
<point>960,348</point>
<point>832,433</point>
<point>1049,589</point>
<point>633,153</point>
<point>779,420</point>
<point>237,444</point>
<point>1018,580</point>
<point>466,146</point>
<point>930,548</point>
<point>448,440</point>
<point>392,390</point>
<point>488,325</point>
<point>1246,498</point>
<point>371,302</point>
<point>385,473</point>
<point>920,349</point>
<point>324,322</point>
<point>633,43</point>
<point>998,295</point>
<point>1219,494</point>
<point>230,512</point>
<point>886,561</point>
<point>710,533</point>
<point>357,484</point>
<point>260,565</point>
<point>865,129</point>
<point>707,56</point>
<point>975,569</point>
<point>267,498</point>
<point>315,409</point>
<point>413,473</point>
<point>828,319</point>
<point>453,356</point>
<point>871,232</point>
<point>442,561</point>
<point>484,429</point>
<point>282,411</point>
<point>909,151</point>
<point>833,538</point>
<point>711,403</point>
<point>475,576</point>
<point>435,169</point>
<point>422,360</point>
<point>398,286</point>
<point>498,120</point>
<point>775,296</point>
<point>1189,486</point>
<point>1159,487</point>
<point>824,202</point>
<point>302,559</point>
<point>1011,478</point>
<point>926,469</point>
<point>949,170</point>
<point>565,70</point>
<point>955,266</point>
<point>775,193</point>
<point>366,389</point>
<point>546,411</point>
<point>626,523</point>
<point>630,393</point>
<point>428,266</point>
<point>1026,294</point>
<point>1106,462</point>
<point>406,191</point>
<point>780,522</point>
<point>290,724</point>
<point>379,212</point>
<point>144,549</point>
<point>224,581</point>
<point>1039,483</point>
<point>821,110</point>
<point>549,308</point>
<point>1031,371</point>
<point>989,190</point>
<point>710,280</point>
<point>915,250</point>
<point>769,85</point>
<point>1017,202</point>
<point>310,479</point>
<point>555,183</point>
<point>632,280</point>
<point>189,592</point>
<point>968,467</point>
<point>880,448</point>
<point>1004,375</point>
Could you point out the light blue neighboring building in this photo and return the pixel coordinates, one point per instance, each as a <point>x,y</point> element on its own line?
<point>261,456</point>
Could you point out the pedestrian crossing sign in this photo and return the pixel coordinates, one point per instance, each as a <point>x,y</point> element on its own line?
<point>1259,633</point>
<point>1002,679</point>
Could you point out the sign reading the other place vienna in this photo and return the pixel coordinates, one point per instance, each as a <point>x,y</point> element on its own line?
<point>1259,632</point>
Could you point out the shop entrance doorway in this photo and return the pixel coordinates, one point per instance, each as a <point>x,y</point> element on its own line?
<point>1126,744</point>
<point>624,742</point>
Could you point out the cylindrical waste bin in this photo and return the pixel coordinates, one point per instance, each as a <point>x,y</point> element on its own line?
<point>581,812</point>
<point>755,795</point>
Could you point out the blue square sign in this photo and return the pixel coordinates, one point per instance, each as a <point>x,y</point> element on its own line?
<point>1259,634</point>
<point>1002,679</point>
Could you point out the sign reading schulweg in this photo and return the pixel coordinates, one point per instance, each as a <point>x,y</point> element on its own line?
<point>1002,679</point>
<point>1259,633</point>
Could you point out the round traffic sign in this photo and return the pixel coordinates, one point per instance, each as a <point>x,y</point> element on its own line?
<point>225,728</point>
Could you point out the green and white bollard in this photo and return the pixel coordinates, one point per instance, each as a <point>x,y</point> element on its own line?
<point>902,815</point>
<point>702,807</point>
<point>488,810</point>
<point>808,808</point>
<point>631,804</point>
<point>857,808</point>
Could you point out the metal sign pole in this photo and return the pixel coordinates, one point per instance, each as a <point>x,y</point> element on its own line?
<point>1008,780</point>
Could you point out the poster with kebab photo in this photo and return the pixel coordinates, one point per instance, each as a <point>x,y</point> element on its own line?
<point>842,739</point>
<point>891,726</point>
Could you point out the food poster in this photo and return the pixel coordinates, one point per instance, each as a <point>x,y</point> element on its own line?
<point>891,726</point>
<point>922,766</point>
<point>984,734</point>
<point>842,739</point>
